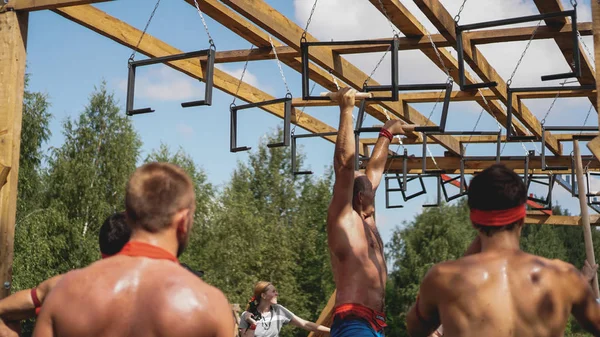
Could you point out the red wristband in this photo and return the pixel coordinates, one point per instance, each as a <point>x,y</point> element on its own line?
<point>385,133</point>
<point>253,327</point>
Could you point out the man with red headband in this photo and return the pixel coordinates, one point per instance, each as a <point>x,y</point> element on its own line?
<point>355,245</point>
<point>143,290</point>
<point>114,234</point>
<point>502,291</point>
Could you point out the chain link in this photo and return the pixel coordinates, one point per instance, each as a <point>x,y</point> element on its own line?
<point>509,82</point>
<point>394,31</point>
<point>574,3</point>
<point>210,39</point>
<point>293,132</point>
<point>335,81</point>
<point>457,17</point>
<point>377,65</point>
<point>144,32</point>
<point>312,11</point>
<point>552,104</point>
<point>592,58</point>
<point>437,53</point>
<point>279,65</point>
<point>587,116</point>
<point>242,77</point>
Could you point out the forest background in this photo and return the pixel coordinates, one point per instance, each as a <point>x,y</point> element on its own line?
<point>263,224</point>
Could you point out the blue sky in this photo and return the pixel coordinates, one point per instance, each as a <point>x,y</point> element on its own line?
<point>67,60</point>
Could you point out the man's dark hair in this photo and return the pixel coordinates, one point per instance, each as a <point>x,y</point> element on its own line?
<point>361,184</point>
<point>496,188</point>
<point>114,234</point>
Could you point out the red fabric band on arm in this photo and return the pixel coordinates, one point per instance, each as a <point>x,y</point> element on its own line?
<point>501,217</point>
<point>36,300</point>
<point>385,133</point>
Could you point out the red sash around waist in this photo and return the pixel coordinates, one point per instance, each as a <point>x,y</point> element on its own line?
<point>352,310</point>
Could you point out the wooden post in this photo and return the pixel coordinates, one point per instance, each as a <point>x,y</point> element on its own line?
<point>326,316</point>
<point>594,144</point>
<point>585,218</point>
<point>13,41</point>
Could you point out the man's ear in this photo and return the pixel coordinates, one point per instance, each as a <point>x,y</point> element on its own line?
<point>181,220</point>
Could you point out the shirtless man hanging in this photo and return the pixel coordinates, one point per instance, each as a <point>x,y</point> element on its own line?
<point>355,245</point>
<point>142,291</point>
<point>502,291</point>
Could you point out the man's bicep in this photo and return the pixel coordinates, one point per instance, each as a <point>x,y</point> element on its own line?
<point>586,309</point>
<point>44,324</point>
<point>423,318</point>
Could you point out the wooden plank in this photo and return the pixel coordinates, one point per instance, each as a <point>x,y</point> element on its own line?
<point>594,145</point>
<point>287,31</point>
<point>561,137</point>
<point>120,32</point>
<point>565,42</point>
<point>524,33</point>
<point>4,170</point>
<point>585,218</point>
<point>13,43</point>
<point>444,22</point>
<point>560,220</point>
<point>326,316</point>
<point>36,5</point>
<point>402,18</point>
<point>466,96</point>
<point>451,164</point>
<point>256,54</point>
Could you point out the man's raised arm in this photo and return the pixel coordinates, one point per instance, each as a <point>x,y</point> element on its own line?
<point>343,158</point>
<point>377,162</point>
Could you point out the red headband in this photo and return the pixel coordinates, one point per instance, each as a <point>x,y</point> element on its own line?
<point>500,217</point>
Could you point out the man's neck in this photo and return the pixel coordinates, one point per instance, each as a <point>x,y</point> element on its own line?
<point>505,240</point>
<point>264,307</point>
<point>163,239</point>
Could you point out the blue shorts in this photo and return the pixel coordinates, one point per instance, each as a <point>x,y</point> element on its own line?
<point>353,327</point>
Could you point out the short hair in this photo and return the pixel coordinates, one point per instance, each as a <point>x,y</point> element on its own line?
<point>361,184</point>
<point>496,188</point>
<point>155,193</point>
<point>114,234</point>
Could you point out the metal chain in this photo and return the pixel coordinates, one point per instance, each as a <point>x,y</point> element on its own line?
<point>574,3</point>
<point>335,81</point>
<point>593,59</point>
<point>210,39</point>
<point>377,65</point>
<point>587,116</point>
<point>457,17</point>
<point>394,31</point>
<point>242,77</point>
<point>552,104</point>
<point>509,82</point>
<point>437,53</point>
<point>279,65</point>
<point>293,132</point>
<point>312,11</point>
<point>144,32</point>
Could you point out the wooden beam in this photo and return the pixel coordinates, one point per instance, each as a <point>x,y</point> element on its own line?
<point>477,37</point>
<point>287,31</point>
<point>594,145</point>
<point>451,164</point>
<point>466,96</point>
<point>561,137</point>
<point>122,33</point>
<point>585,218</point>
<point>4,170</point>
<point>13,43</point>
<point>524,33</point>
<point>36,5</point>
<point>560,220</point>
<point>257,54</point>
<point>565,42</point>
<point>444,22</point>
<point>326,316</point>
<point>404,20</point>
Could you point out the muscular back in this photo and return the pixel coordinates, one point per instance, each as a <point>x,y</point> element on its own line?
<point>126,296</point>
<point>505,293</point>
<point>358,263</point>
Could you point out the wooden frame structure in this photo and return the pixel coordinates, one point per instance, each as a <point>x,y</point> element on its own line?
<point>255,20</point>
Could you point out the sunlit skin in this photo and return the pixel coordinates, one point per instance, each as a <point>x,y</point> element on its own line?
<point>355,245</point>
<point>503,291</point>
<point>137,296</point>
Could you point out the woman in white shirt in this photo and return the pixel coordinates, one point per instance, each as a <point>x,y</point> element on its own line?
<point>265,318</point>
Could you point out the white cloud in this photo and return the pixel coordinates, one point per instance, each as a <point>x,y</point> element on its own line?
<point>165,84</point>
<point>249,78</point>
<point>185,130</point>
<point>358,19</point>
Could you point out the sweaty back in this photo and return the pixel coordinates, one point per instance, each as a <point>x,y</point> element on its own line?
<point>504,293</point>
<point>126,296</point>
